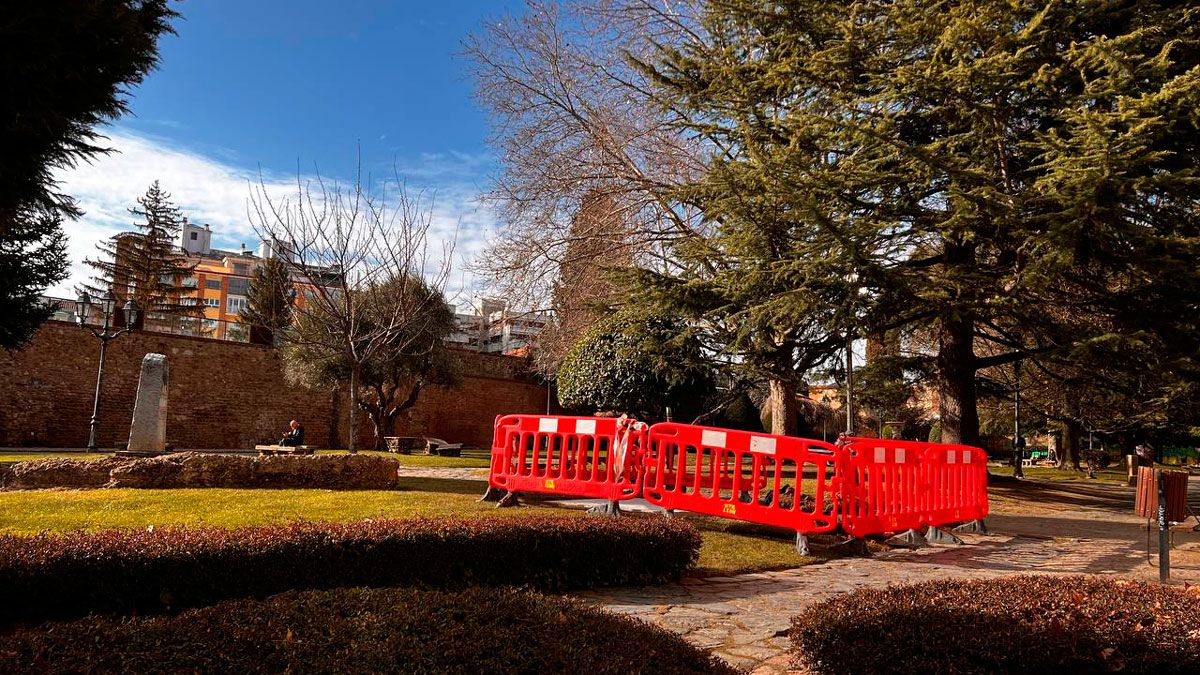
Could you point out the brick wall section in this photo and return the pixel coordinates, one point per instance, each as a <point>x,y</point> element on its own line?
<point>224,394</point>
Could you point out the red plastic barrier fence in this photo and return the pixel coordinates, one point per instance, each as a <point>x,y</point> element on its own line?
<point>596,457</point>
<point>773,480</point>
<point>956,483</point>
<point>883,486</point>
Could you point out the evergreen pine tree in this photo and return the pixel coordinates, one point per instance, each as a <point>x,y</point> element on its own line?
<point>269,299</point>
<point>959,169</point>
<point>64,69</point>
<point>148,265</point>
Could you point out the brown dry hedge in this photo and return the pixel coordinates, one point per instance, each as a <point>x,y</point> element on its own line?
<point>1027,624</point>
<point>363,630</point>
<point>120,571</point>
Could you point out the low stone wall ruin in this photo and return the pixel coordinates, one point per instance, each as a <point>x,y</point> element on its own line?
<point>200,470</point>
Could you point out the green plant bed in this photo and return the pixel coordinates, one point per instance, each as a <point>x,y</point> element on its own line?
<point>1022,624</point>
<point>364,630</point>
<point>121,571</point>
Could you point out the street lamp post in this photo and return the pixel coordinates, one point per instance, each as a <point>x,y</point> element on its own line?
<point>83,306</point>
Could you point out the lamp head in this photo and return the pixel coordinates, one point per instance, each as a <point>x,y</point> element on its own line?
<point>83,305</point>
<point>131,312</point>
<point>108,302</point>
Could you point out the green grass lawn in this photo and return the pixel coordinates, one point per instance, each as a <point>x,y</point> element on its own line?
<point>1113,474</point>
<point>11,457</point>
<point>476,460</point>
<point>729,547</point>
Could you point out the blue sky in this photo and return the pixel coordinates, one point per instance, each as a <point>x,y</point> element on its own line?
<point>279,85</point>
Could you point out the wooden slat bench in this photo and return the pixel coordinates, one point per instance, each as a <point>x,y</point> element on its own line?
<point>265,450</point>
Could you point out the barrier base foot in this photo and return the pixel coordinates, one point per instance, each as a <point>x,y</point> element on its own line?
<point>802,544</point>
<point>972,527</point>
<point>936,535</point>
<point>908,539</point>
<point>852,547</point>
<point>612,508</point>
<point>509,499</point>
<point>670,513</point>
<point>492,494</point>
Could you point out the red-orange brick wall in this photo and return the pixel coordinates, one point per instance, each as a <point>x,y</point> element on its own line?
<point>225,394</point>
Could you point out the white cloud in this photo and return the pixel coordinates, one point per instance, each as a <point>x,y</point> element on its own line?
<point>211,191</point>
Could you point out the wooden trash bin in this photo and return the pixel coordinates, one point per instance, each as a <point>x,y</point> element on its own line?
<point>1175,487</point>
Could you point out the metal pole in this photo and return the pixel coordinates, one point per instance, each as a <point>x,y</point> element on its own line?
<point>1164,548</point>
<point>99,378</point>
<point>849,383</point>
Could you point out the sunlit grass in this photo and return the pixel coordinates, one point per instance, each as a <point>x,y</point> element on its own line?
<point>11,457</point>
<point>729,547</point>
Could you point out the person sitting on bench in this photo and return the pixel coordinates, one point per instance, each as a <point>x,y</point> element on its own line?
<point>294,437</point>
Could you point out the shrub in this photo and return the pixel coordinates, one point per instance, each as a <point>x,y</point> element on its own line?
<point>146,571</point>
<point>1020,624</point>
<point>638,365</point>
<point>364,630</point>
<point>1096,460</point>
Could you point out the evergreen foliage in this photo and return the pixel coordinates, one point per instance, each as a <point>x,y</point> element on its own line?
<point>412,356</point>
<point>270,297</point>
<point>33,255</point>
<point>639,365</point>
<point>148,264</point>
<point>1013,179</point>
<point>65,68</point>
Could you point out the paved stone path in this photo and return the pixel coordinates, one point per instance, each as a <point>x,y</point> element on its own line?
<point>447,473</point>
<point>745,618</point>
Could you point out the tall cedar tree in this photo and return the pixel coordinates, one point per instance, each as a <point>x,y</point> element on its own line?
<point>952,167</point>
<point>148,265</point>
<point>65,68</point>
<point>412,358</point>
<point>269,299</point>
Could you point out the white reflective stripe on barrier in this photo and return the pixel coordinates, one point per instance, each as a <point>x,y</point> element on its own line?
<point>880,455</point>
<point>762,444</point>
<point>712,439</point>
<point>951,457</point>
<point>585,426</point>
<point>900,455</point>
<point>548,424</point>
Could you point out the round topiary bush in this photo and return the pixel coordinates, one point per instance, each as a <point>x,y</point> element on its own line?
<point>635,364</point>
<point>363,630</point>
<point>1016,625</point>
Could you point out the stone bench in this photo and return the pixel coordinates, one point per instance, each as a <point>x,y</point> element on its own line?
<point>267,450</point>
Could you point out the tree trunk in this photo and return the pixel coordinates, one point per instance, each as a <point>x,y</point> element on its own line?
<point>956,381</point>
<point>781,403</point>
<point>354,373</point>
<point>1068,454</point>
<point>385,426</point>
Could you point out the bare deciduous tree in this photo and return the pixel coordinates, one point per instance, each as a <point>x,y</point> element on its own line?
<point>573,121</point>
<point>354,250</point>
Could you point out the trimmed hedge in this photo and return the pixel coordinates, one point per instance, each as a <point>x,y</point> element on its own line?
<point>364,630</point>
<point>1016,625</point>
<point>149,571</point>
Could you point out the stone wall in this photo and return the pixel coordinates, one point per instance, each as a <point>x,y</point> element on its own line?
<point>225,394</point>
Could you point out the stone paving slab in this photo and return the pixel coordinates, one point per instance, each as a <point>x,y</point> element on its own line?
<point>745,618</point>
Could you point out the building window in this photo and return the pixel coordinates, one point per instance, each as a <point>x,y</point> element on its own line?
<point>236,305</point>
<point>239,286</point>
<point>193,236</point>
<point>190,282</point>
<point>241,268</point>
<point>212,284</point>
<point>212,302</point>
